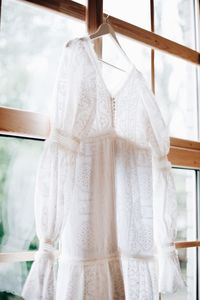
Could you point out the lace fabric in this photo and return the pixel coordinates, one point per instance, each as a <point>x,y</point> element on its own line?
<point>104,188</point>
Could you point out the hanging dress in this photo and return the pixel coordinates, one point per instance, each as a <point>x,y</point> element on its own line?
<point>104,195</point>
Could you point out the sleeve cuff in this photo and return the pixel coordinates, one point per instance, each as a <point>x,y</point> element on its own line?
<point>163,163</point>
<point>67,141</point>
<point>170,277</point>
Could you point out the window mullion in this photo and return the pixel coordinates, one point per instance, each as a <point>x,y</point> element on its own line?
<point>94,17</point>
<point>152,50</point>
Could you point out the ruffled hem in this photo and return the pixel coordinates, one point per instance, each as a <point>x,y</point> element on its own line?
<point>107,279</point>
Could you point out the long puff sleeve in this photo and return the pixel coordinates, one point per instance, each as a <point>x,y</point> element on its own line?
<point>164,196</point>
<point>51,200</point>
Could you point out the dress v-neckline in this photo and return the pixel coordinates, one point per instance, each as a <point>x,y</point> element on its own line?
<point>95,61</point>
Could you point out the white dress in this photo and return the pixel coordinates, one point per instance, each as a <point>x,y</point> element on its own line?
<point>104,190</point>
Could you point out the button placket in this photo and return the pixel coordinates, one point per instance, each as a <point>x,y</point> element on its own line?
<point>113,110</point>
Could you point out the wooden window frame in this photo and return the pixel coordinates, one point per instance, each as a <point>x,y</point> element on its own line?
<point>26,124</point>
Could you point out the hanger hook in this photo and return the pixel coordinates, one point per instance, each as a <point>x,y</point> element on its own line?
<point>106,19</point>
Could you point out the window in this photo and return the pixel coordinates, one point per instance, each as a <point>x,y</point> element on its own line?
<point>18,165</point>
<point>185,182</point>
<point>132,11</point>
<point>181,14</point>
<point>30,47</point>
<point>31,40</point>
<point>179,113</point>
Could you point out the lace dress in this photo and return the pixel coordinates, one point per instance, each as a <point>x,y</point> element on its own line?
<point>104,192</point>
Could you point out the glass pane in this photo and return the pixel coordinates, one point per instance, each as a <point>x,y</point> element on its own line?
<point>13,281</point>
<point>132,11</point>
<point>174,19</point>
<point>176,91</point>
<point>185,182</point>
<point>31,41</point>
<point>19,160</point>
<point>84,2</point>
<point>138,54</point>
<point>18,166</point>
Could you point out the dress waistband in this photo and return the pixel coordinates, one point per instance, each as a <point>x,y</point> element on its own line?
<point>75,260</point>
